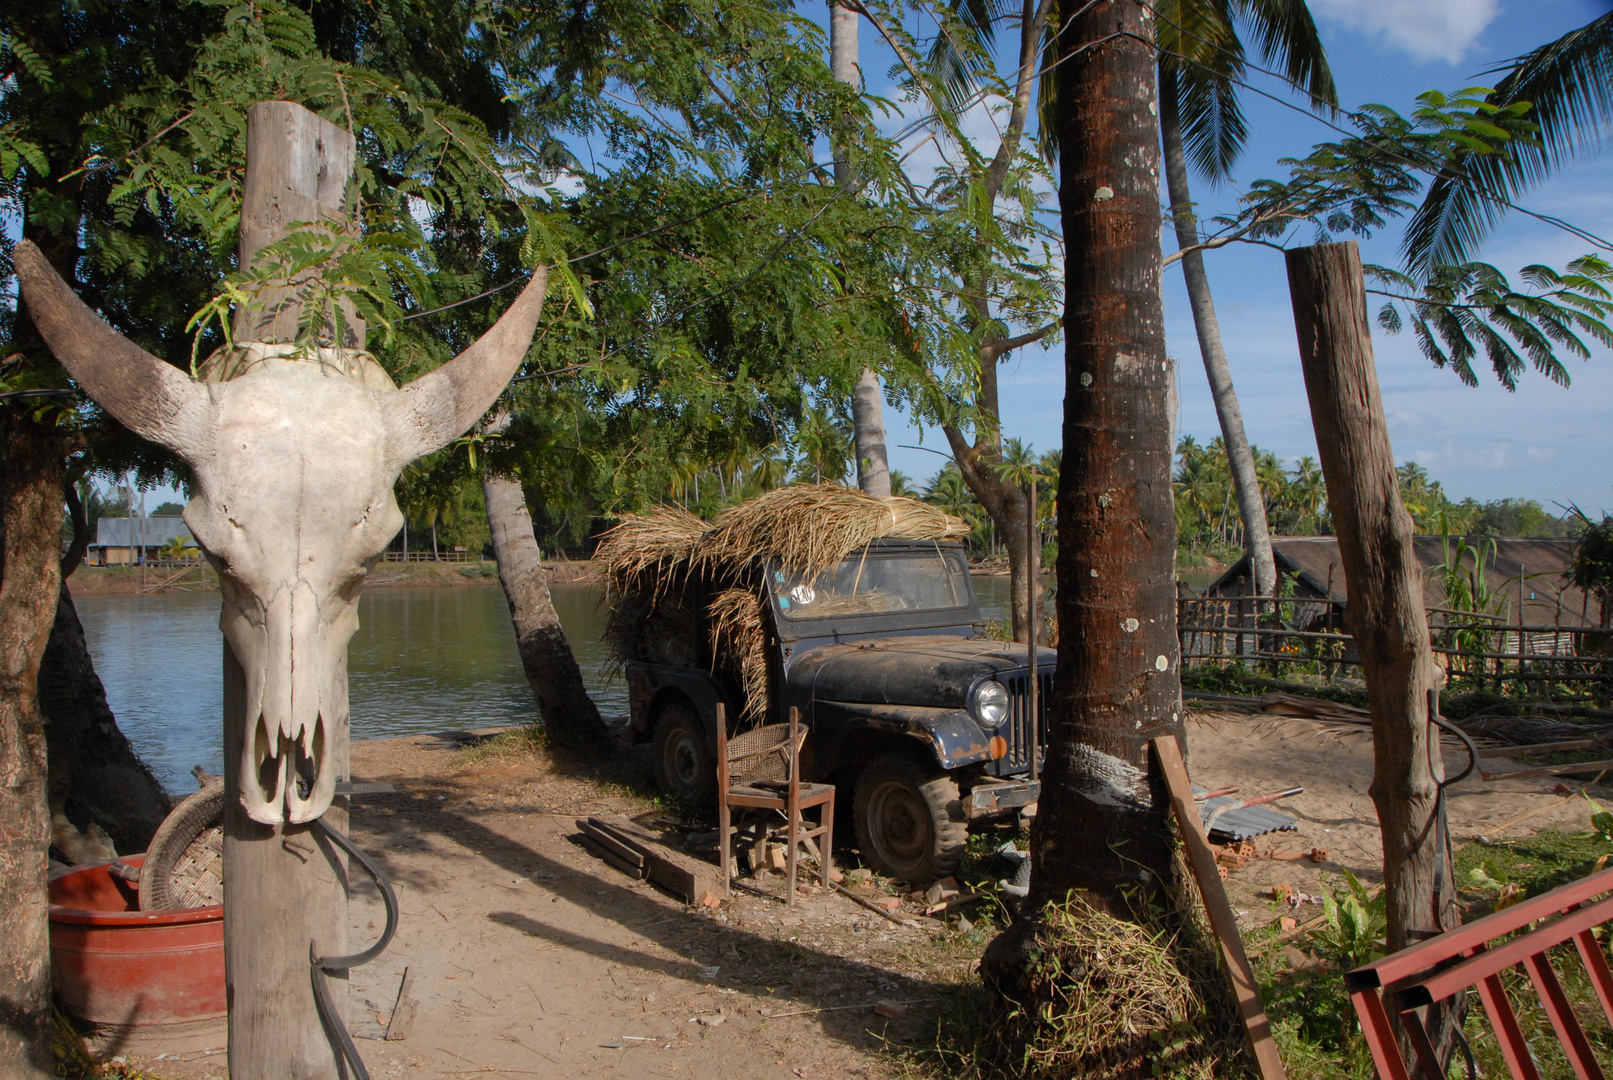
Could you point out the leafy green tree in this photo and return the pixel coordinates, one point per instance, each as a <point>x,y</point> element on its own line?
<point>1592,570</point>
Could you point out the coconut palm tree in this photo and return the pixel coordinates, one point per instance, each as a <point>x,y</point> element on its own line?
<point>1201,61</point>
<point>1569,83</point>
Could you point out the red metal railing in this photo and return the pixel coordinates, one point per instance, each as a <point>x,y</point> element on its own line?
<point>1470,956</point>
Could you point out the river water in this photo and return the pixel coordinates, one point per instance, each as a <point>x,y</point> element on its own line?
<point>424,659</point>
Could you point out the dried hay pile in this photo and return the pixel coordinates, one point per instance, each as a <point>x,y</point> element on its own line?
<point>651,561</point>
<point>1111,998</point>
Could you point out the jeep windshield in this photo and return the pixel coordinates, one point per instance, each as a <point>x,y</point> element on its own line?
<point>870,582</point>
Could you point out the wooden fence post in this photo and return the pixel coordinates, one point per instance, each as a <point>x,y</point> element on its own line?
<point>1385,581</point>
<point>283,885</point>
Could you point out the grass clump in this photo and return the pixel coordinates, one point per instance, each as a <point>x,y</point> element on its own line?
<point>515,742</point>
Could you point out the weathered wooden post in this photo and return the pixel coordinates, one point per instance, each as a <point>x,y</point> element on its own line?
<point>1385,581</point>
<point>283,886</point>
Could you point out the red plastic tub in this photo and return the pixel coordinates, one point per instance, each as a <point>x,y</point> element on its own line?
<point>115,964</point>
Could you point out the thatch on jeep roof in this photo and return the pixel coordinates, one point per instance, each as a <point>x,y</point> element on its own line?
<point>648,562</point>
<point>811,527</point>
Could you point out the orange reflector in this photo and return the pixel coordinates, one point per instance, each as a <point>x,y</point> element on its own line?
<point>998,747</point>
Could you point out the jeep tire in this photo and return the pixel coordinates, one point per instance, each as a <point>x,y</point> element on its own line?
<point>910,821</point>
<point>683,761</point>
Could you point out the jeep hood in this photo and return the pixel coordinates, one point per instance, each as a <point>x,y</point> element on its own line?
<point>928,671</point>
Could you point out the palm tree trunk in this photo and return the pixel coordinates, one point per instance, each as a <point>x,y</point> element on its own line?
<point>1104,823</point>
<point>867,401</point>
<point>1245,481</point>
<point>551,668</point>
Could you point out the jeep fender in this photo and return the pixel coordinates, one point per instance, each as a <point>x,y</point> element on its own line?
<point>651,686</point>
<point>952,735</point>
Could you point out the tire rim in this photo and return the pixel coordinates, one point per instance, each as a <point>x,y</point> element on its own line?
<point>683,761</point>
<point>899,825</point>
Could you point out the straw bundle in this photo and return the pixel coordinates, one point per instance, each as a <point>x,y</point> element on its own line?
<point>811,527</point>
<point>646,551</point>
<point>739,642</point>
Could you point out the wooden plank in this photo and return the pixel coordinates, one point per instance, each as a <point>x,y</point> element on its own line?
<point>1549,747</point>
<point>632,856</point>
<point>684,875</point>
<point>1201,858</point>
<point>634,870</point>
<point>1508,770</point>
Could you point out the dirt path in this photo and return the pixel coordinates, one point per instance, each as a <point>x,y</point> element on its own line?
<point>530,957</point>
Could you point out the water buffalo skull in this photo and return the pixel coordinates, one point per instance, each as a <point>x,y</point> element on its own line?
<point>293,466</point>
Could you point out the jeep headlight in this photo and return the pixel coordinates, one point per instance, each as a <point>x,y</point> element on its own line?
<point>989,703</point>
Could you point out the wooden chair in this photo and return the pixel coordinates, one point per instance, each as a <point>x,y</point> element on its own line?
<point>761,770</point>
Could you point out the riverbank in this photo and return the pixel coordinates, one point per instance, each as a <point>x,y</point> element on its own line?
<point>141,581</point>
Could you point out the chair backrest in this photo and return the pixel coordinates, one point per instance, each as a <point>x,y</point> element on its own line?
<point>763,753</point>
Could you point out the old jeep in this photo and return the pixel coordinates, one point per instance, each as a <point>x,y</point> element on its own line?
<point>915,714</point>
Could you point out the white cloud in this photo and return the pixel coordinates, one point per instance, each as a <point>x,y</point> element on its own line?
<point>1426,29</point>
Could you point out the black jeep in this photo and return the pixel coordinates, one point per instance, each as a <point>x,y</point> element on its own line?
<point>914,712</point>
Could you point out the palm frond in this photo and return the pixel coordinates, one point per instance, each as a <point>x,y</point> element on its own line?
<point>1286,37</point>
<point>1569,84</point>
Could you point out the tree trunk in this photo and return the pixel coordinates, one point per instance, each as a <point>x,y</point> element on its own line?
<point>1384,579</point>
<point>868,400</point>
<point>1004,505</point>
<point>1103,823</point>
<point>1241,459</point>
<point>95,775</point>
<point>30,577</point>
<point>551,668</point>
<point>1385,612</point>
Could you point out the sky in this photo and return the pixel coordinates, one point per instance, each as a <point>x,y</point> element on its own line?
<point>1543,442</point>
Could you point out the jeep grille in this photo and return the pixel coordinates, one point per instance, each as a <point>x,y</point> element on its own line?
<point>1017,728</point>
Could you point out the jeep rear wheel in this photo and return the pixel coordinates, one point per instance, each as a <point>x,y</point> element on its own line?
<point>683,764</point>
<point>910,821</point>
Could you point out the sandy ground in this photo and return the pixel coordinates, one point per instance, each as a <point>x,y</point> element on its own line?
<point>530,957</point>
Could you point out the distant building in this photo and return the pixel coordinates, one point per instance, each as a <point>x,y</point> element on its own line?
<point>1554,612</point>
<point>119,541</point>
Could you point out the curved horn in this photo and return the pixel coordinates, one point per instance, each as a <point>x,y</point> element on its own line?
<point>153,399</point>
<point>439,407</point>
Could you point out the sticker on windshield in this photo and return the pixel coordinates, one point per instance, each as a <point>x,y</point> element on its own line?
<point>803,594</point>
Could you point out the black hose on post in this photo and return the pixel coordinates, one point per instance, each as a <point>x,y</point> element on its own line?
<point>321,967</point>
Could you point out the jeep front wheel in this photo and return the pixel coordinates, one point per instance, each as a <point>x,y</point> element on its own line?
<point>910,821</point>
<point>682,762</point>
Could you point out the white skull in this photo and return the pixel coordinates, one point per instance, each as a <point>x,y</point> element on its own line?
<point>294,465</point>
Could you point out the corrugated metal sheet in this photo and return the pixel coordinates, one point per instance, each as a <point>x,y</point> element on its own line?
<point>1246,822</point>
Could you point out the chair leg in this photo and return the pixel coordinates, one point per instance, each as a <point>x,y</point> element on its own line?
<point>793,840</point>
<point>826,859</point>
<point>725,842</point>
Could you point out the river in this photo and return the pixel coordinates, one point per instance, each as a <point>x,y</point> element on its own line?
<point>424,659</point>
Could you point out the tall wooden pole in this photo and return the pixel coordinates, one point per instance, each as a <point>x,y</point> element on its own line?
<point>283,886</point>
<point>1384,612</point>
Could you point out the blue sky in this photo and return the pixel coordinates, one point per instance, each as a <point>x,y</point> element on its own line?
<point>1543,442</point>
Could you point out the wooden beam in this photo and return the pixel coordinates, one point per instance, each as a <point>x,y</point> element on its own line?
<point>1256,1025</point>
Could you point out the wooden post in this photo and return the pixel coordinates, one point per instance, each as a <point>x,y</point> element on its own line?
<point>1385,613</point>
<point>1033,617</point>
<point>283,887</point>
<point>298,167</point>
